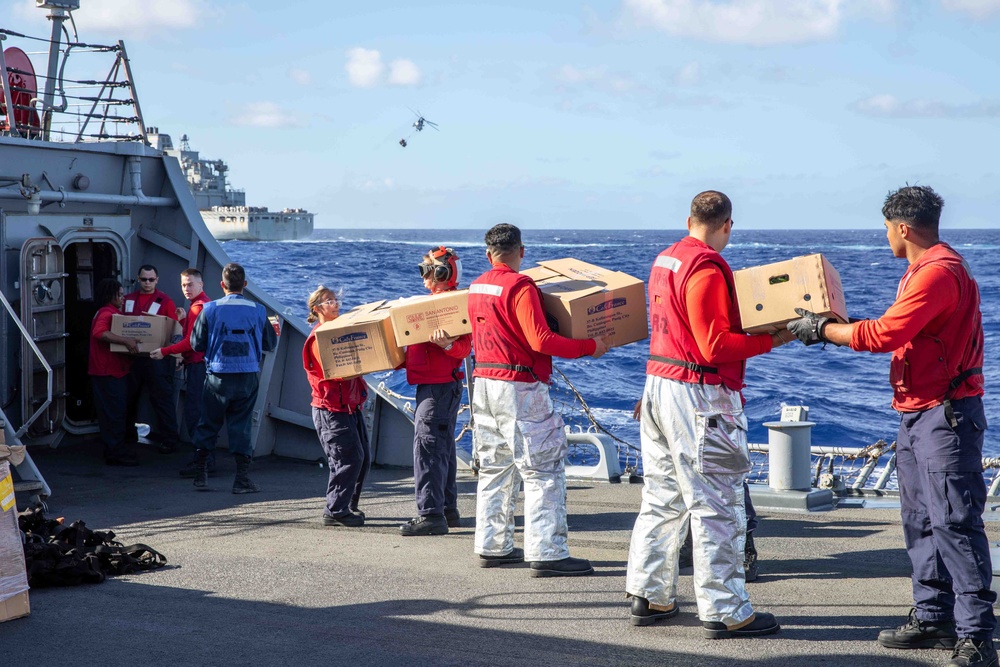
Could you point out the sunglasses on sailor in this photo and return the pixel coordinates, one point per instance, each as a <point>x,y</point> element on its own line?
<point>147,280</point>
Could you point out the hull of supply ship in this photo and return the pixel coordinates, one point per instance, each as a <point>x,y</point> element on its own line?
<point>224,209</point>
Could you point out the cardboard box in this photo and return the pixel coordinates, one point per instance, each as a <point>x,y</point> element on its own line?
<point>359,341</point>
<point>415,318</point>
<point>768,295</point>
<point>13,575</point>
<point>152,331</point>
<point>586,301</point>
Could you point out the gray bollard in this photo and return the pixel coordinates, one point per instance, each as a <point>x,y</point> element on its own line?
<point>789,463</point>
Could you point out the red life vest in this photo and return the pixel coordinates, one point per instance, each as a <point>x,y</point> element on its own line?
<point>502,350</point>
<point>948,351</point>
<point>428,363</point>
<point>673,350</point>
<point>332,395</point>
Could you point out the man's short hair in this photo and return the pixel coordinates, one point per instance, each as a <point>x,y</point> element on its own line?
<point>234,277</point>
<point>192,273</point>
<point>148,267</point>
<point>916,205</point>
<point>503,239</point>
<point>711,209</point>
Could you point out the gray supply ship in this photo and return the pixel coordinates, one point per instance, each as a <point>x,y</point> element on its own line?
<point>224,209</point>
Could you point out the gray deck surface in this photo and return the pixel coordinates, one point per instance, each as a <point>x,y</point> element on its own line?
<point>257,580</point>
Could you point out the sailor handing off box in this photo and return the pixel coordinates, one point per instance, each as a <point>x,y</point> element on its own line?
<point>935,333</point>
<point>517,433</point>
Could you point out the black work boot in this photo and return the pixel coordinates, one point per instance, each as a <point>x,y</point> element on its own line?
<point>971,653</point>
<point>750,559</point>
<point>920,634</point>
<point>760,624</point>
<point>201,470</point>
<point>642,613</point>
<point>431,524</point>
<point>242,483</point>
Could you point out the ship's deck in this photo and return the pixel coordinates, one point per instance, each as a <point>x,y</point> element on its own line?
<point>258,580</point>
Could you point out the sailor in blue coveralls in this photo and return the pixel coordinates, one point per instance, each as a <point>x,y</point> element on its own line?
<point>233,332</point>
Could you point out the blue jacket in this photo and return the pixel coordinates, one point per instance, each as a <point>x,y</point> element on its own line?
<point>233,332</point>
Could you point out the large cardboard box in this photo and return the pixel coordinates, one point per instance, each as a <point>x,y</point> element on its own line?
<point>415,318</point>
<point>359,341</point>
<point>587,301</point>
<point>152,331</point>
<point>13,575</point>
<point>768,295</point>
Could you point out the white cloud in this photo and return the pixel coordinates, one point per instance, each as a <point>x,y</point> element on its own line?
<point>137,18</point>
<point>300,76</point>
<point>689,75</point>
<point>889,106</point>
<point>979,9</point>
<point>753,22</point>
<point>404,72</point>
<point>596,77</point>
<point>364,67</point>
<point>266,114</point>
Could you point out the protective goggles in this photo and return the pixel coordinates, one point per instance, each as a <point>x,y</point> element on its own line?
<point>437,272</point>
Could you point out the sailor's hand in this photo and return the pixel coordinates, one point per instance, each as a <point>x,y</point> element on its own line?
<point>809,327</point>
<point>132,344</point>
<point>156,354</point>
<point>603,343</point>
<point>180,313</point>
<point>637,410</point>
<point>441,338</point>
<point>780,337</point>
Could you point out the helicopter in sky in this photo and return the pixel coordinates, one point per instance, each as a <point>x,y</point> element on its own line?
<point>418,125</point>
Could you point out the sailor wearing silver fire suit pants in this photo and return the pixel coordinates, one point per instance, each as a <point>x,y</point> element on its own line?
<point>518,435</point>
<point>692,458</point>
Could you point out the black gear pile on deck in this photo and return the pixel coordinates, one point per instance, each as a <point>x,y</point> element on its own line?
<point>60,555</point>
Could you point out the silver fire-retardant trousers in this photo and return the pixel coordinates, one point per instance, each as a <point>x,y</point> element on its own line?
<point>519,435</point>
<point>694,457</point>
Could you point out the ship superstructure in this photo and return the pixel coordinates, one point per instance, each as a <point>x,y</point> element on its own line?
<point>224,209</point>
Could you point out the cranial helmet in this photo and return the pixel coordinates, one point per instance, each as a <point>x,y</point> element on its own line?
<point>444,266</point>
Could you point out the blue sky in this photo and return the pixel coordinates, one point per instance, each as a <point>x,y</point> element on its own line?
<point>606,114</point>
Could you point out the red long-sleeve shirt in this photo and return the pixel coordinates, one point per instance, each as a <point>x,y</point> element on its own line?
<point>708,302</point>
<point>531,317</point>
<point>183,346</point>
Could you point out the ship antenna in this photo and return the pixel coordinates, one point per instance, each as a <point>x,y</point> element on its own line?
<point>59,11</point>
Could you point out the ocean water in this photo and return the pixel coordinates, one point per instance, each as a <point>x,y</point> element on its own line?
<point>847,392</point>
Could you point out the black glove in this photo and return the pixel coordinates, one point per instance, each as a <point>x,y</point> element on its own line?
<point>808,328</point>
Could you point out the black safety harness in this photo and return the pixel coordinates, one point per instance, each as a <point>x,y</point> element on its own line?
<point>949,413</point>
<point>690,365</point>
<point>517,368</point>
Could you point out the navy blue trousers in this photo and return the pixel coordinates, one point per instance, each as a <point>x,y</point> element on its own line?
<point>942,496</point>
<point>345,440</point>
<point>434,464</point>
<point>111,405</point>
<point>229,398</point>
<point>158,378</point>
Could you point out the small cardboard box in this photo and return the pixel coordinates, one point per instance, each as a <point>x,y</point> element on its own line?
<point>152,331</point>
<point>13,575</point>
<point>359,341</point>
<point>414,319</point>
<point>768,295</point>
<point>587,301</point>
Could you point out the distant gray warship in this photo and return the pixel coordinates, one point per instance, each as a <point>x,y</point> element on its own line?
<point>224,209</point>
